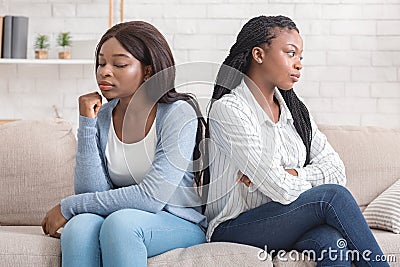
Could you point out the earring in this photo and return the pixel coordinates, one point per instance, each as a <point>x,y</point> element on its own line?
<point>259,61</point>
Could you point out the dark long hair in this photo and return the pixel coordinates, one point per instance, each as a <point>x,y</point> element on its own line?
<point>149,46</point>
<point>258,31</point>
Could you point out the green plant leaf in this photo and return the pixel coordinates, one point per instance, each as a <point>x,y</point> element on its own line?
<point>64,39</point>
<point>42,42</point>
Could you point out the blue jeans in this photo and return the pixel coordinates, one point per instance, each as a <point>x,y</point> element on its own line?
<point>324,218</point>
<point>125,238</point>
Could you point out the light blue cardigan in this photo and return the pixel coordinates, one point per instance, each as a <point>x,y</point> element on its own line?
<point>169,179</point>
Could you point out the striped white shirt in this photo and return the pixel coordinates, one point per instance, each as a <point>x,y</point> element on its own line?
<point>244,140</point>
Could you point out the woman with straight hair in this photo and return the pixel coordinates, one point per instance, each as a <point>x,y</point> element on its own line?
<point>275,181</point>
<point>134,195</point>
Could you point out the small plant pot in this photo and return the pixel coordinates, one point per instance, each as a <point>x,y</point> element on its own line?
<point>41,54</point>
<point>64,55</point>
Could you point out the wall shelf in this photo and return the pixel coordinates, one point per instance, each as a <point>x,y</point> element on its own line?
<point>46,61</point>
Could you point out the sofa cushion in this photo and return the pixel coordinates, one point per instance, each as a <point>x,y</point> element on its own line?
<point>390,244</point>
<point>37,159</point>
<point>28,246</point>
<point>384,211</point>
<point>211,254</point>
<point>370,155</point>
<point>293,258</point>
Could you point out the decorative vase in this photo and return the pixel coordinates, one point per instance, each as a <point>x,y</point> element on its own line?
<point>41,54</point>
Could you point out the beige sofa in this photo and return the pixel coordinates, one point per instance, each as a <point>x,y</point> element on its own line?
<point>36,171</point>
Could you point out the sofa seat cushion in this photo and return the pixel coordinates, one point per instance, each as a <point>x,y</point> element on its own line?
<point>289,259</point>
<point>28,246</point>
<point>390,244</point>
<point>211,254</point>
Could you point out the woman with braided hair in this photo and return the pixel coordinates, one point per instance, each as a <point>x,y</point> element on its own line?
<point>276,182</point>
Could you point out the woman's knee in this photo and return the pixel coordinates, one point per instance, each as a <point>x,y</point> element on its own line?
<point>336,189</point>
<point>82,227</point>
<point>118,224</point>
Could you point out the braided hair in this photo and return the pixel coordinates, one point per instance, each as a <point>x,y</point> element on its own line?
<point>257,31</point>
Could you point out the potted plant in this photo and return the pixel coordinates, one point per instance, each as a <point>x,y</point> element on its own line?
<point>64,40</point>
<point>41,46</point>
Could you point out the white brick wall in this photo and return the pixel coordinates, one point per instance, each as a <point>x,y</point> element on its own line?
<point>351,69</point>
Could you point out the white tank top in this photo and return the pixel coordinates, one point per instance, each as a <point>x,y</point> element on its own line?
<point>128,163</point>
